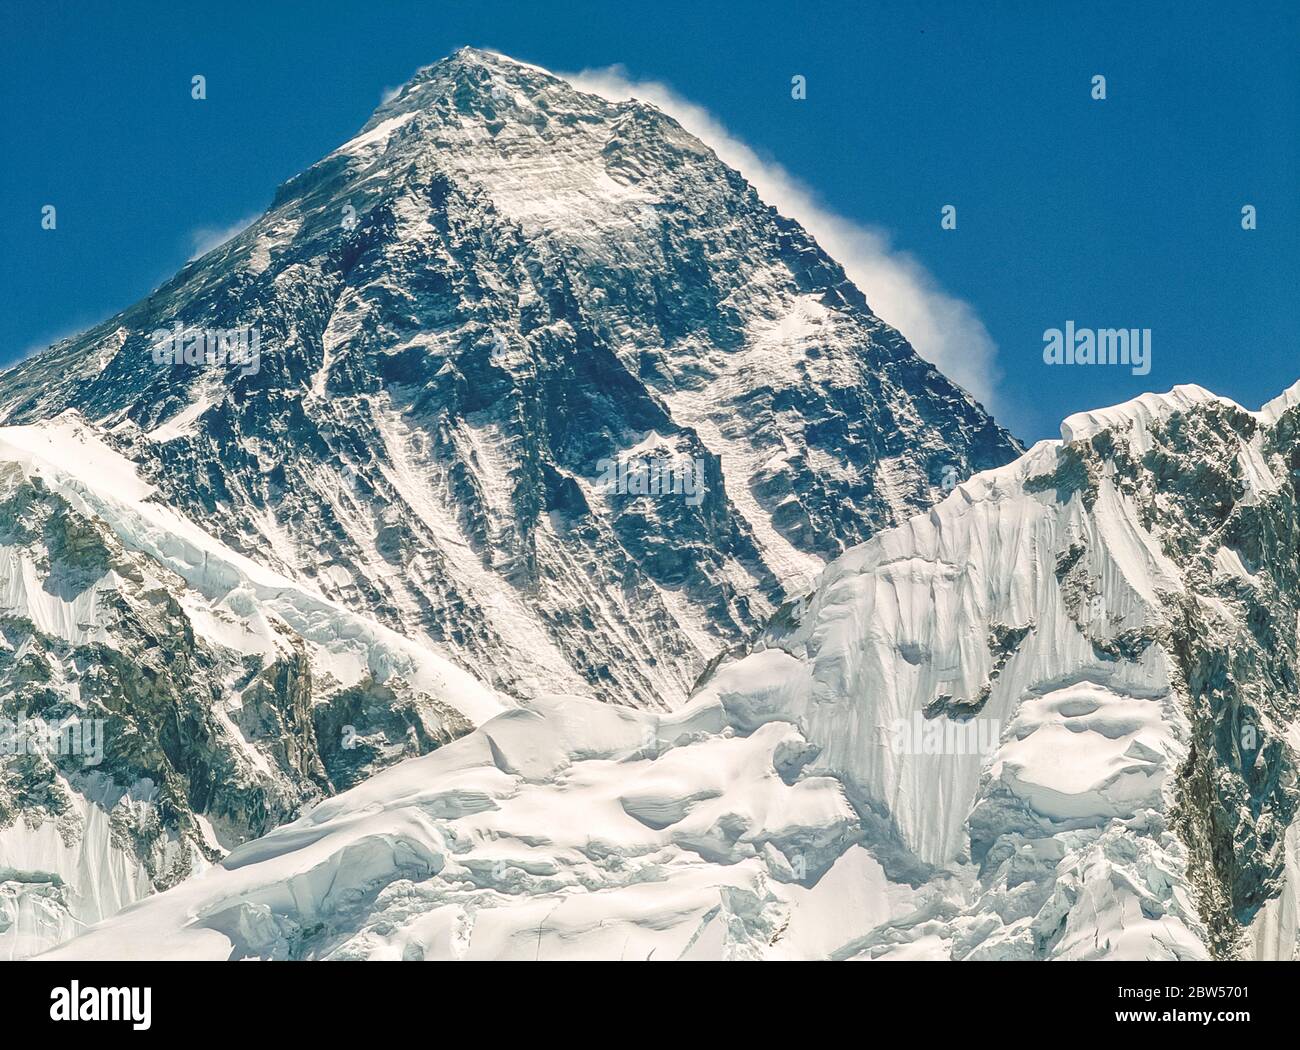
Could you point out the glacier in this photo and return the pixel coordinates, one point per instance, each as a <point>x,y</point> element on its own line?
<point>1120,604</point>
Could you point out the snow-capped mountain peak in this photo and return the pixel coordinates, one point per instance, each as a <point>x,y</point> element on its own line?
<point>461,315</point>
<point>517,378</point>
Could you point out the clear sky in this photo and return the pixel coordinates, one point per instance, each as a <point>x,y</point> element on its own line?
<point>1117,213</point>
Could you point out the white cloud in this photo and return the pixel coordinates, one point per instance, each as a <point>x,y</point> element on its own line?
<point>205,238</point>
<point>944,330</point>
<point>389,93</point>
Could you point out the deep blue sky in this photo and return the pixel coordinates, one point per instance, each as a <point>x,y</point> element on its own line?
<point>1123,213</point>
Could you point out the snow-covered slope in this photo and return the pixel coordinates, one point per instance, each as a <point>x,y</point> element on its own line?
<point>567,829</point>
<point>498,286</point>
<point>1056,716</point>
<point>221,691</point>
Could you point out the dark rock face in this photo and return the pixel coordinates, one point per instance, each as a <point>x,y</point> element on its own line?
<point>180,746</point>
<point>165,748</point>
<point>1239,671</point>
<point>1232,637</point>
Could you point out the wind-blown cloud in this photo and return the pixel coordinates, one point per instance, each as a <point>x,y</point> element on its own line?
<point>944,329</point>
<point>205,238</point>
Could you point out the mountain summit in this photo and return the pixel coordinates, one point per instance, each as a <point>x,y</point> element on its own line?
<point>466,313</point>
<point>519,391</point>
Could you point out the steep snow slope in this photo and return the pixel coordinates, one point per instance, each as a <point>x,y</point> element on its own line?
<point>1056,716</point>
<point>220,691</point>
<point>497,287</point>
<point>567,829</point>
